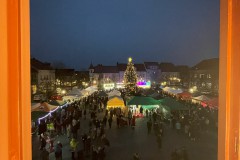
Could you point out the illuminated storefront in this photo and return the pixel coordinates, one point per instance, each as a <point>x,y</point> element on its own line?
<point>108,86</point>
<point>144,84</point>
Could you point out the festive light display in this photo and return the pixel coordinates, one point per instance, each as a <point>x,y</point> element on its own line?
<point>108,86</point>
<point>49,114</point>
<point>144,84</point>
<point>130,76</point>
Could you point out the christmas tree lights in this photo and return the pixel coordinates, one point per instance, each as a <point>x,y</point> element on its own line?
<point>130,77</point>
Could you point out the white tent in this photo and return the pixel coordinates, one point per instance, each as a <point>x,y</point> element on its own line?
<point>84,92</point>
<point>172,90</point>
<point>34,105</point>
<point>114,93</point>
<point>91,89</point>
<point>43,107</point>
<point>200,99</point>
<point>71,98</point>
<point>75,91</point>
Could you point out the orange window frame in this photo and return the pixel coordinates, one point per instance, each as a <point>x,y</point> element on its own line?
<point>15,120</point>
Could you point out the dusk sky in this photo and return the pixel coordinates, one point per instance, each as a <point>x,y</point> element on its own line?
<point>76,32</point>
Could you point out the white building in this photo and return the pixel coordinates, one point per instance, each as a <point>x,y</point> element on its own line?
<point>43,77</point>
<point>114,74</point>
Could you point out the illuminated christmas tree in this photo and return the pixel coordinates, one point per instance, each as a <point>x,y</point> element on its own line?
<point>130,77</point>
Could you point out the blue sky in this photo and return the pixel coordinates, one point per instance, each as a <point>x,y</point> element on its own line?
<point>77,32</point>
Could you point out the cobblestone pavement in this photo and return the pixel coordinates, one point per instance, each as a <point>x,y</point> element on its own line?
<point>125,141</point>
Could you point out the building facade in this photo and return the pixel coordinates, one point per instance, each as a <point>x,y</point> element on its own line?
<point>169,75</point>
<point>100,74</point>
<point>153,71</point>
<point>204,76</point>
<point>43,76</point>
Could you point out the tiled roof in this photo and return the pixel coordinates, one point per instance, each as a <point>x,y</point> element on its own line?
<point>207,64</point>
<point>140,67</point>
<point>34,70</point>
<point>105,69</point>
<point>148,64</point>
<point>182,68</point>
<point>40,65</point>
<point>123,67</point>
<point>167,67</point>
<point>64,72</point>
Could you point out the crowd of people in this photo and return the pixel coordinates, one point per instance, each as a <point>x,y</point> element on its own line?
<point>67,122</point>
<point>92,141</point>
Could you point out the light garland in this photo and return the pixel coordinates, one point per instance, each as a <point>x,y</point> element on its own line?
<point>49,114</point>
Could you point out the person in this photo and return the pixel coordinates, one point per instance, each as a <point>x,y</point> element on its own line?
<point>73,145</point>
<point>146,112</point>
<point>129,117</point>
<point>159,140</point>
<point>178,127</point>
<point>206,124</point>
<point>80,150</point>
<point>88,145</point>
<point>110,122</point>
<point>58,151</point>
<point>85,113</point>
<point>105,121</point>
<point>174,155</point>
<point>118,121</point>
<point>133,122</point>
<point>136,156</point>
<point>141,110</point>
<point>42,128</point>
<point>43,142</point>
<point>184,154</point>
<point>50,140</point>
<point>101,153</point>
<point>44,154</point>
<point>149,126</point>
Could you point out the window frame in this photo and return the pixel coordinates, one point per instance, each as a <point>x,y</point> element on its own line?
<point>15,80</point>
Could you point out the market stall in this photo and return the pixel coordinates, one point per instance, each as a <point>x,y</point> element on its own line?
<point>173,91</point>
<point>212,103</point>
<point>57,103</point>
<point>45,107</point>
<point>114,93</point>
<point>200,99</point>
<point>75,91</point>
<point>71,98</point>
<point>146,103</point>
<point>102,94</point>
<point>171,105</point>
<point>184,95</point>
<point>116,102</point>
<point>91,89</point>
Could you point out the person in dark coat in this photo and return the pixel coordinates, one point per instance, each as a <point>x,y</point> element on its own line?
<point>84,113</point>
<point>141,110</point>
<point>42,128</point>
<point>118,121</point>
<point>105,121</point>
<point>133,123</point>
<point>149,126</point>
<point>159,141</point>
<point>44,154</point>
<point>58,151</point>
<point>110,122</point>
<point>43,142</point>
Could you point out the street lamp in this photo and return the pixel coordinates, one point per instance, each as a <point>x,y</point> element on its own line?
<point>63,92</point>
